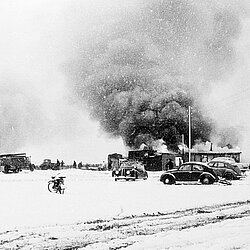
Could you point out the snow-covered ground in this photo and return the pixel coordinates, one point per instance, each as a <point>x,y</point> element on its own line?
<point>27,206</point>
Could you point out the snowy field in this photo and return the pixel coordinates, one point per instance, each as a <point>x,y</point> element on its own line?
<point>91,197</point>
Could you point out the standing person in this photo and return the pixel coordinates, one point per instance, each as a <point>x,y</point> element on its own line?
<point>80,165</point>
<point>57,165</point>
<point>169,165</point>
<point>62,163</point>
<point>74,164</point>
<point>103,165</point>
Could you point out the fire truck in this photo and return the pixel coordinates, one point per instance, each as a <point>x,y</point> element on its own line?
<point>15,162</point>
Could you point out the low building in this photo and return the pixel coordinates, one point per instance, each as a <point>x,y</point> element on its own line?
<point>153,160</point>
<point>209,155</point>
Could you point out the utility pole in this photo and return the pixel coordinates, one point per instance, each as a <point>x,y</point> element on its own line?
<point>189,133</point>
<point>182,144</point>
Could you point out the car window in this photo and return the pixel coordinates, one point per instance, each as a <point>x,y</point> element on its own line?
<point>220,165</point>
<point>214,164</point>
<point>198,167</point>
<point>185,167</point>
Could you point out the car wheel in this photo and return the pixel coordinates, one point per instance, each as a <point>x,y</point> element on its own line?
<point>228,176</point>
<point>168,180</point>
<point>206,180</point>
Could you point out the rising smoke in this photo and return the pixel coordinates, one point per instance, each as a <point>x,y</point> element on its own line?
<point>141,71</point>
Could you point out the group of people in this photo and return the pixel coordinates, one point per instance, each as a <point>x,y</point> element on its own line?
<point>75,165</point>
<point>59,164</point>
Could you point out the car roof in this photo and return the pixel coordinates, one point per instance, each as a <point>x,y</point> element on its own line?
<point>195,162</point>
<point>224,161</point>
<point>227,159</point>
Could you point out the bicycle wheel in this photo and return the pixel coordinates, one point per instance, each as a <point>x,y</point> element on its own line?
<point>50,187</point>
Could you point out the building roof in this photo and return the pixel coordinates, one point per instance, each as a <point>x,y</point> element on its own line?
<point>217,152</point>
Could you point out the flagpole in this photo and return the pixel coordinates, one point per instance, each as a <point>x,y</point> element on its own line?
<point>189,133</point>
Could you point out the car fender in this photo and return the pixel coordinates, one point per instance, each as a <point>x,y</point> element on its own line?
<point>207,174</point>
<point>167,174</point>
<point>230,171</point>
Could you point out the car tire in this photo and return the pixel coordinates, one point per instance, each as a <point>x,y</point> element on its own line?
<point>228,176</point>
<point>206,180</point>
<point>168,180</point>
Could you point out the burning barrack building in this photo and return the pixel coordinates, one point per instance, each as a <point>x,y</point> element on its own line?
<point>155,160</point>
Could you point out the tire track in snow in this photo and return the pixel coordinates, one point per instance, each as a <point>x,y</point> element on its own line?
<point>121,232</point>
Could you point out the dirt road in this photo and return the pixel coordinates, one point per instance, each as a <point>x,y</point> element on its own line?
<point>119,232</point>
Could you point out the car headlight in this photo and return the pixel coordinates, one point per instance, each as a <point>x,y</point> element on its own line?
<point>128,172</point>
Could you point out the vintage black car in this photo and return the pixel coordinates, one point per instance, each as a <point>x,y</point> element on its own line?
<point>190,171</point>
<point>226,168</point>
<point>130,170</point>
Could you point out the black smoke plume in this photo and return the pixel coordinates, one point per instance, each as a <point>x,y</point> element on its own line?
<point>139,72</point>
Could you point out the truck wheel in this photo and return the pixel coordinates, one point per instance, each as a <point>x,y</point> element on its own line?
<point>6,169</point>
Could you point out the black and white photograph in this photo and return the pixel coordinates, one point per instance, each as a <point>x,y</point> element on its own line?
<point>124,124</point>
